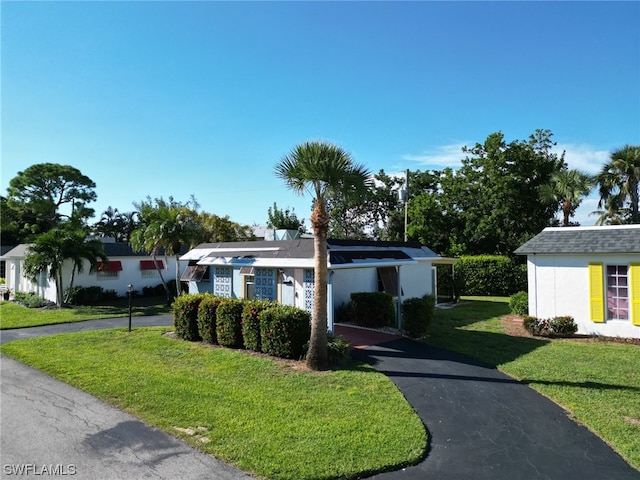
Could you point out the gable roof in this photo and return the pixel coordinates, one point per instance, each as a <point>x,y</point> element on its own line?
<point>111,249</point>
<point>605,239</point>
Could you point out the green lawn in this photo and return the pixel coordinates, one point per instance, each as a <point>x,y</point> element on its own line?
<point>597,382</point>
<point>13,315</point>
<point>271,418</point>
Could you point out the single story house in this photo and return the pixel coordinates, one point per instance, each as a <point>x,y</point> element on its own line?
<point>283,270</point>
<point>589,273</point>
<point>125,267</point>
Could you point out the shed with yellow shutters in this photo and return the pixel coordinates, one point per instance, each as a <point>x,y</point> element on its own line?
<point>589,273</point>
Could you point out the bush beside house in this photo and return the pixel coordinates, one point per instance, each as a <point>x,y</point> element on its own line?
<point>261,326</point>
<point>417,314</point>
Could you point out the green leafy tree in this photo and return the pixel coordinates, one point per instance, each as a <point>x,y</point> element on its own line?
<point>497,191</point>
<point>222,229</point>
<point>166,225</point>
<point>114,224</point>
<point>318,168</point>
<point>44,194</point>
<point>284,219</point>
<point>567,188</point>
<point>619,182</point>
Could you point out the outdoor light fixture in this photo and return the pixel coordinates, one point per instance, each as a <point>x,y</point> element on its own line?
<point>129,288</point>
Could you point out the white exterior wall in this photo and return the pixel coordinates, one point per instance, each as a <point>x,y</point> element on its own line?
<point>130,274</point>
<point>416,280</point>
<point>348,281</point>
<point>559,285</point>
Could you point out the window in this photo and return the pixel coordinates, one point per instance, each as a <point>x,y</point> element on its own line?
<point>614,292</point>
<point>107,275</point>
<point>388,280</point>
<point>617,292</point>
<point>249,286</point>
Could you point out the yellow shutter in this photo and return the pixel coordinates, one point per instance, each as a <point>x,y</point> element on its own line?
<point>596,292</point>
<point>634,276</point>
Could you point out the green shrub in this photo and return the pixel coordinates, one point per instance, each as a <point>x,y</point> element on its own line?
<point>491,275</point>
<point>185,316</point>
<point>84,295</point>
<point>372,309</point>
<point>284,330</point>
<point>417,314</point>
<point>337,350</point>
<point>562,326</point>
<point>251,323</point>
<point>31,300</point>
<point>519,303</point>
<point>207,318</point>
<point>229,323</point>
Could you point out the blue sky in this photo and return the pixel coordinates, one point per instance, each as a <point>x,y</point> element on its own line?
<point>204,98</point>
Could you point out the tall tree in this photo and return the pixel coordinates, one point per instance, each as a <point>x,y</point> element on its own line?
<point>114,224</point>
<point>567,188</point>
<point>620,179</point>
<point>319,167</point>
<point>222,229</point>
<point>166,226</point>
<point>45,193</point>
<point>497,191</point>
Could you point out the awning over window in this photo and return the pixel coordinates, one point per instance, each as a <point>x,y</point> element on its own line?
<point>389,278</point>
<point>193,273</point>
<point>246,271</point>
<point>148,264</point>
<point>112,266</point>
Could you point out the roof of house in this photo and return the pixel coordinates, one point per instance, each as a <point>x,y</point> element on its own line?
<point>300,253</point>
<point>604,239</point>
<point>111,249</point>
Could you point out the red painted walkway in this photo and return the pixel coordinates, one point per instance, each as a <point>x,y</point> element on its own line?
<point>362,337</point>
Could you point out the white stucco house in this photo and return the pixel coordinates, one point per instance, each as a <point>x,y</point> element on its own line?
<point>589,273</point>
<point>125,267</point>
<point>284,270</point>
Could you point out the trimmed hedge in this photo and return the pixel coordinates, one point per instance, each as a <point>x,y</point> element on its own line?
<point>487,275</point>
<point>229,323</point>
<point>207,318</point>
<point>284,331</point>
<point>417,314</point>
<point>251,323</point>
<point>185,317</point>
<point>372,309</point>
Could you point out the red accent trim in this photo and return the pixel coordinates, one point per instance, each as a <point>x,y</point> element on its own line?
<point>112,266</point>
<point>148,264</point>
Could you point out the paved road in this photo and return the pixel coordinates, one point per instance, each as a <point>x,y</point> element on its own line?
<point>48,426</point>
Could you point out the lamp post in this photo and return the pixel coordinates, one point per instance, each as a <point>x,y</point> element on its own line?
<point>130,286</point>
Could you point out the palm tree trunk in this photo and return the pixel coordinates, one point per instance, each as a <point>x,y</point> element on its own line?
<point>317,357</point>
<point>164,283</point>
<point>71,281</point>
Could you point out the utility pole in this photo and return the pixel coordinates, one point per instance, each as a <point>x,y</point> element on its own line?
<point>406,201</point>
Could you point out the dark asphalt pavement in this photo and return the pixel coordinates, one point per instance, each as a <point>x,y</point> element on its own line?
<point>483,424</point>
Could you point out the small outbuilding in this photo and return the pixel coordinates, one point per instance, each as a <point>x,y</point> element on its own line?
<point>589,273</point>
<point>283,270</point>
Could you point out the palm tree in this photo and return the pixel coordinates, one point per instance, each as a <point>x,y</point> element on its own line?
<point>567,188</point>
<point>167,226</point>
<point>52,248</point>
<point>621,177</point>
<point>320,167</point>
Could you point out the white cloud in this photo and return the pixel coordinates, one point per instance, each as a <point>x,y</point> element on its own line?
<point>583,157</point>
<point>442,156</point>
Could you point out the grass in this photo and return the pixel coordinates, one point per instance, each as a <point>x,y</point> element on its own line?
<point>13,315</point>
<point>270,418</point>
<point>598,382</point>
